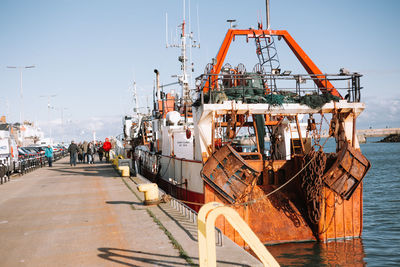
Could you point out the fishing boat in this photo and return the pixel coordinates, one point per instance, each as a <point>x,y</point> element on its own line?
<point>253,140</point>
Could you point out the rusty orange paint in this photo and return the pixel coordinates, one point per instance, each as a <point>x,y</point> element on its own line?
<point>280,217</point>
<point>169,104</point>
<point>340,218</point>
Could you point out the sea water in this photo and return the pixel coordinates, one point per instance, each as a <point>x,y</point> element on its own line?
<point>380,241</point>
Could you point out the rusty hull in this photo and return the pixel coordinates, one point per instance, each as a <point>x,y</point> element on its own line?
<point>273,220</point>
<point>229,174</point>
<point>347,171</point>
<point>282,216</point>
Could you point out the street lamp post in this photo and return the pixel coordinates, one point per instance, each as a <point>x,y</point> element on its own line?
<point>62,123</point>
<point>21,68</point>
<point>48,109</point>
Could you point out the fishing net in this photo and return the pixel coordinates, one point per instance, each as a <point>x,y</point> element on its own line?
<point>317,101</point>
<point>275,99</point>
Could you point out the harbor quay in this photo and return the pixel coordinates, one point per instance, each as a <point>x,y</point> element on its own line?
<point>88,215</point>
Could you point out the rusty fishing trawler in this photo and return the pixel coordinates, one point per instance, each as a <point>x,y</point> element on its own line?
<point>254,140</point>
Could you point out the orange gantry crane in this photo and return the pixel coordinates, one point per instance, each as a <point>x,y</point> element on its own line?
<point>319,78</point>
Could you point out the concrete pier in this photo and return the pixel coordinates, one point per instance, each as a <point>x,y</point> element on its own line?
<point>88,216</point>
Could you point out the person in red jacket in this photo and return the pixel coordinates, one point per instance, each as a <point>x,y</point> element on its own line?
<point>107,148</point>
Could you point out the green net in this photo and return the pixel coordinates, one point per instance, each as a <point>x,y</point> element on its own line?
<point>317,101</point>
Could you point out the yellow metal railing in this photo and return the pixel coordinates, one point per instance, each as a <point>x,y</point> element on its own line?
<point>206,234</point>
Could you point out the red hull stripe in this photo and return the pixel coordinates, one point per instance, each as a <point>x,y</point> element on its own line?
<point>175,191</point>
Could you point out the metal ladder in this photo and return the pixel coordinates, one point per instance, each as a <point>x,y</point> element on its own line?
<point>297,143</point>
<point>267,57</point>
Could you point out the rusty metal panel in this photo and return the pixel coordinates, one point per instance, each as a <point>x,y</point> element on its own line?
<point>228,173</point>
<point>347,172</point>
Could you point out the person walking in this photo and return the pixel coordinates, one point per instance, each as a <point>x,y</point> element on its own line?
<point>49,155</point>
<point>84,148</point>
<point>90,152</point>
<point>100,151</point>
<point>73,151</point>
<point>80,153</point>
<point>107,148</point>
<point>94,150</point>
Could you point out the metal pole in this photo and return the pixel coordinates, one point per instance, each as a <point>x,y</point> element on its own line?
<point>136,100</point>
<point>48,111</point>
<point>62,125</point>
<point>267,18</point>
<point>48,114</point>
<point>20,89</point>
<point>21,98</point>
<point>158,84</point>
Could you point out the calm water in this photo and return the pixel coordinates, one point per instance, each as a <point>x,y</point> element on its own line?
<point>380,242</point>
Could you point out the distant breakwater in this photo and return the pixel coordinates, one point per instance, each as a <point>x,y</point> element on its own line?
<point>362,135</point>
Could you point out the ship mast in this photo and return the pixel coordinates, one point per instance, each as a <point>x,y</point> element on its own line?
<point>267,14</point>
<point>186,42</point>
<point>136,108</point>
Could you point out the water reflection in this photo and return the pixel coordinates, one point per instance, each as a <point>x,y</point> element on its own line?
<point>334,253</point>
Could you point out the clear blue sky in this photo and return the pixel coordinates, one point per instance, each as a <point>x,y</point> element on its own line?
<point>89,52</point>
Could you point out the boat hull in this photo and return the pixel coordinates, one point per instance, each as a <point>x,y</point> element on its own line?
<point>179,178</point>
<point>275,217</point>
<point>272,199</point>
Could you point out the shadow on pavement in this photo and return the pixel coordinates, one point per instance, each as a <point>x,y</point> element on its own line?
<point>113,254</point>
<point>189,228</point>
<point>124,202</point>
<point>104,170</point>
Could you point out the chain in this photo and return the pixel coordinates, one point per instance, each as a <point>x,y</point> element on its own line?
<point>312,183</point>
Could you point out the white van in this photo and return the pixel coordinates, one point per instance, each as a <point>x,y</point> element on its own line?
<point>9,154</point>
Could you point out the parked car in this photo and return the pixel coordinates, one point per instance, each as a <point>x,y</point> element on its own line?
<point>24,161</point>
<point>35,156</point>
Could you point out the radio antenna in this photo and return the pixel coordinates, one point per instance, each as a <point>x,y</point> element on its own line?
<point>198,24</point>
<point>166,29</point>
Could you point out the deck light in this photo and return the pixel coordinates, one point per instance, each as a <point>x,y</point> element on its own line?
<point>275,71</point>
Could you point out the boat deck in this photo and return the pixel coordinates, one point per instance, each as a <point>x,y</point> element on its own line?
<point>88,216</point>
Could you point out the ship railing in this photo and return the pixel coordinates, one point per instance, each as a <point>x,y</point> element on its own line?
<point>192,216</point>
<point>249,87</point>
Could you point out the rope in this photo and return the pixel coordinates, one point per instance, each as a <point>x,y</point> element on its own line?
<point>272,192</point>
<point>169,161</point>
<point>192,203</point>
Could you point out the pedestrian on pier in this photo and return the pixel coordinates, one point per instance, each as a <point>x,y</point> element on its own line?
<point>48,153</point>
<point>100,151</point>
<point>80,153</point>
<point>91,151</point>
<point>85,154</point>
<point>107,148</point>
<point>73,152</point>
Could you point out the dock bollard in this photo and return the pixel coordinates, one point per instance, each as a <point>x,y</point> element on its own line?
<point>150,193</point>
<point>124,171</point>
